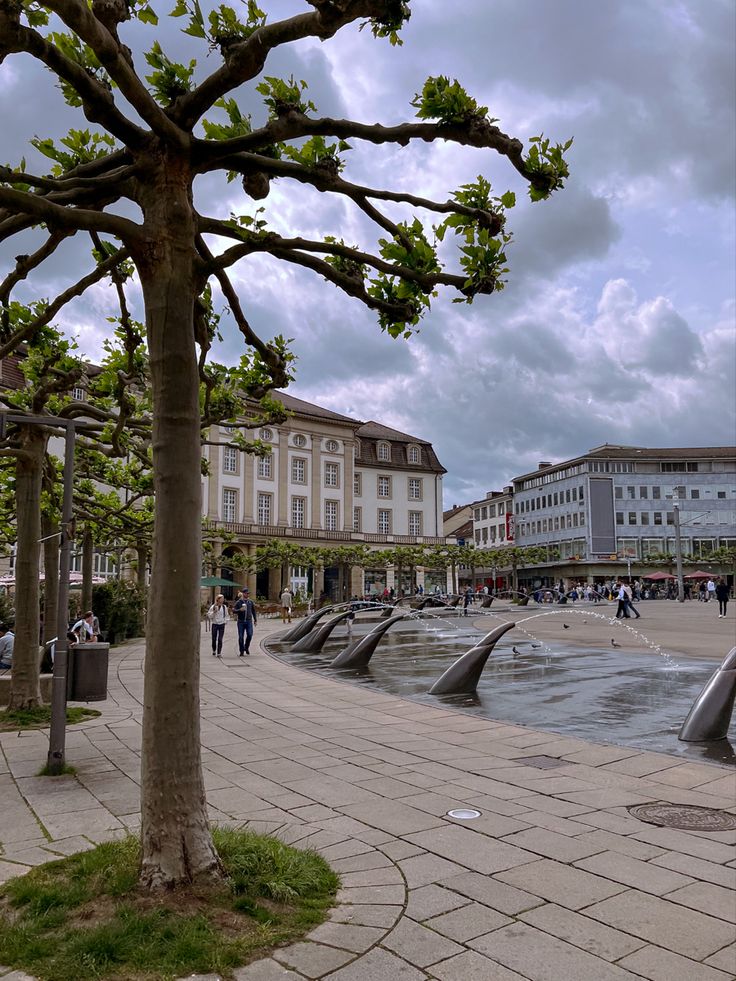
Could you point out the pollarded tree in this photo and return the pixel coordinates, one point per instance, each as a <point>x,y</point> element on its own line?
<point>151,141</point>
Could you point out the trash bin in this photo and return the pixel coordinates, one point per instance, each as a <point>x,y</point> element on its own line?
<point>88,672</point>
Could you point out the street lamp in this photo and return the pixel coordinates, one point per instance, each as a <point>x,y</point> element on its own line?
<point>57,733</point>
<point>678,542</point>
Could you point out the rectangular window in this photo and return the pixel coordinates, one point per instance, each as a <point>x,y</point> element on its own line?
<point>492,511</point>
<point>415,491</point>
<point>264,466</point>
<point>618,493</point>
<point>643,517</point>
<point>415,525</point>
<point>483,511</point>
<point>264,509</point>
<point>631,493</point>
<point>229,460</point>
<point>567,497</point>
<point>556,499</point>
<point>78,394</point>
<point>632,517</point>
<point>384,487</point>
<point>384,523</point>
<point>332,474</point>
<point>331,515</point>
<point>657,517</point>
<point>298,470</point>
<point>652,546</point>
<point>357,485</point>
<point>643,493</point>
<point>619,517</point>
<point>357,519</point>
<point>670,517</point>
<point>582,519</point>
<point>656,492</point>
<point>298,508</point>
<point>476,513</point>
<point>229,505</point>
<point>695,494</point>
<point>477,532</point>
<point>575,520</point>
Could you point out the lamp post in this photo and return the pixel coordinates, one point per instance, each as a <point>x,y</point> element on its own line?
<point>57,733</point>
<point>678,543</point>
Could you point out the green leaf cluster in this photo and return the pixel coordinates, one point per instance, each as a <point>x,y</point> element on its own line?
<point>343,264</point>
<point>317,152</point>
<point>169,79</point>
<point>282,96</point>
<point>237,125</point>
<point>396,15</point>
<point>408,248</point>
<point>447,101</point>
<point>36,15</point>
<point>81,54</point>
<point>83,145</point>
<point>222,26</point>
<point>546,167</point>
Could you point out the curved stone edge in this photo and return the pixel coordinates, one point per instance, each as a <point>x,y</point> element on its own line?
<point>345,936</point>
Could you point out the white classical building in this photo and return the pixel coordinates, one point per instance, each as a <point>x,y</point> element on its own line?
<point>328,480</point>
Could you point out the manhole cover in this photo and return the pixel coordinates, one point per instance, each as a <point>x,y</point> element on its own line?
<point>687,817</point>
<point>541,762</point>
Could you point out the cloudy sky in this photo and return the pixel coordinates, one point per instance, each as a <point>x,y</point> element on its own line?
<point>617,323</point>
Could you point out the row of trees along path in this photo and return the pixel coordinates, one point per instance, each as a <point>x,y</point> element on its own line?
<point>130,180</point>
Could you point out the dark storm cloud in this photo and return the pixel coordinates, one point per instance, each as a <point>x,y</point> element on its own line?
<point>619,311</point>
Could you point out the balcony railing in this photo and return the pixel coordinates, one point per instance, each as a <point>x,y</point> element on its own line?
<point>281,531</point>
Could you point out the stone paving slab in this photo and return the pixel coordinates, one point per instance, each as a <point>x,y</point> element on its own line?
<point>555,881</point>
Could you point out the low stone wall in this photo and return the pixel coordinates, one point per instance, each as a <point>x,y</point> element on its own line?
<point>5,688</point>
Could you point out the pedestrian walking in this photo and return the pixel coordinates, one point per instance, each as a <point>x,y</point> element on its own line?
<point>245,610</point>
<point>621,611</point>
<point>630,601</point>
<point>286,602</point>
<point>711,590</point>
<point>722,591</point>
<point>218,616</point>
<point>467,600</point>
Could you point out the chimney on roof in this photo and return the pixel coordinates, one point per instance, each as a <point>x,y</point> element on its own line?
<point>543,464</point>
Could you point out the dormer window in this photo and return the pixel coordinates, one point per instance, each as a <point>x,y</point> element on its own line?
<point>357,447</point>
<point>78,394</point>
<point>415,454</point>
<point>384,451</point>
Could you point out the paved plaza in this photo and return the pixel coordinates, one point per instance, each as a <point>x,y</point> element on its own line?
<point>555,881</point>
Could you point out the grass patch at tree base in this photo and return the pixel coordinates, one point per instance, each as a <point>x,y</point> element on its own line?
<point>12,720</point>
<point>85,916</point>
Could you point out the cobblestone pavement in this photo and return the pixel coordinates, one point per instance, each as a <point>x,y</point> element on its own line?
<point>556,881</point>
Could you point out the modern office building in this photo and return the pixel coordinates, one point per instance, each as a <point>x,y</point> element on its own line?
<point>617,505</point>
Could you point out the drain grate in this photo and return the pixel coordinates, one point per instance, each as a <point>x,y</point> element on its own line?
<point>541,762</point>
<point>687,817</point>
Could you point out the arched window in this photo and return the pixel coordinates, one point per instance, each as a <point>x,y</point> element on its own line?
<point>415,454</point>
<point>384,451</point>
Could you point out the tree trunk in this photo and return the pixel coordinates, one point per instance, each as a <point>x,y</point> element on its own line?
<point>25,686</point>
<point>50,530</point>
<point>88,554</point>
<point>176,843</point>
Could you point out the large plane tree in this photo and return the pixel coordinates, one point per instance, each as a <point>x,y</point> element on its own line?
<point>129,180</point>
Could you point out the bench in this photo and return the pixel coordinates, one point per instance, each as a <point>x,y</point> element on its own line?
<point>5,687</point>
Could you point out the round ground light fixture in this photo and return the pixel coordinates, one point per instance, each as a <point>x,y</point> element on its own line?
<point>686,817</point>
<point>464,814</point>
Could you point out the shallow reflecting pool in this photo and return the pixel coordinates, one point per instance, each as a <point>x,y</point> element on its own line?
<point>605,695</point>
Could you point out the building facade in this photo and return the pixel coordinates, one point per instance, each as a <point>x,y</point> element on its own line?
<point>617,505</point>
<point>328,480</point>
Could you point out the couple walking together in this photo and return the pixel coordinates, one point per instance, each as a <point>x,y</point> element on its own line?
<point>245,611</point>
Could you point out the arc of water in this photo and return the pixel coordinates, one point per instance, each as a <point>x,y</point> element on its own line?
<point>462,677</point>
<point>710,715</point>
